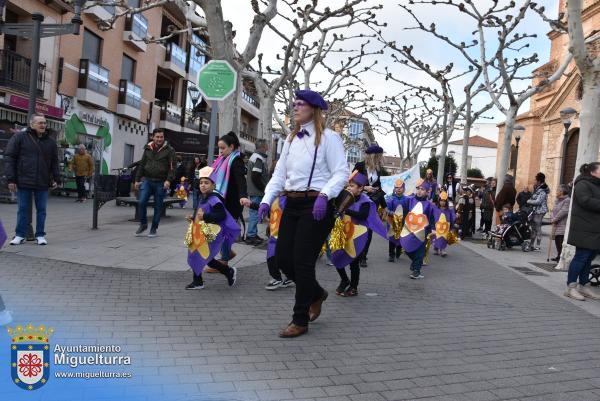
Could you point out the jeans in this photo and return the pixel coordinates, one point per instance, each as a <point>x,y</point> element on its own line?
<point>156,189</point>
<point>580,265</point>
<point>416,258</point>
<point>298,246</point>
<point>40,197</point>
<point>253,218</point>
<point>536,229</point>
<point>195,198</point>
<point>80,181</point>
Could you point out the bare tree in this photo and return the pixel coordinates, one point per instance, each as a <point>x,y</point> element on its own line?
<point>589,131</point>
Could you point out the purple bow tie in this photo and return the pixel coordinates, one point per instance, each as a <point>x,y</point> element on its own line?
<point>302,132</point>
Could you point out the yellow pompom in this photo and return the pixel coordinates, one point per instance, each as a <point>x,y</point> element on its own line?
<point>337,238</point>
<point>396,224</point>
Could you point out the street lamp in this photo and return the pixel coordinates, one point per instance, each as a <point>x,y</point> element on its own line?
<point>565,116</point>
<point>518,130</point>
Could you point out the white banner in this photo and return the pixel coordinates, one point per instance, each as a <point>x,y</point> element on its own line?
<point>410,178</point>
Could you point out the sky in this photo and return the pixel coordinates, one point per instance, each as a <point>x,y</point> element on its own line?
<point>447,20</point>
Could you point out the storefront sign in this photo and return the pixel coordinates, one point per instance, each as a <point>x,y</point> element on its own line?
<point>42,108</point>
<point>187,143</point>
<point>92,118</point>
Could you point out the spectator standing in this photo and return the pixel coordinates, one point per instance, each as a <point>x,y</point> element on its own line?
<point>506,196</point>
<point>487,207</point>
<point>257,179</point>
<point>179,172</point>
<point>31,165</point>
<point>584,232</point>
<point>83,167</point>
<point>523,197</point>
<point>539,201</point>
<point>154,175</point>
<point>452,188</point>
<point>559,217</point>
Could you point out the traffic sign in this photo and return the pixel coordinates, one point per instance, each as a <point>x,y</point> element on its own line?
<point>217,80</point>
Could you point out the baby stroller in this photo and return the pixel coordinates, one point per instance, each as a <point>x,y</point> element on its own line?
<point>512,233</point>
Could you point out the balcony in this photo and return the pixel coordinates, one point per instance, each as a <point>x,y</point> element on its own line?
<point>247,137</point>
<point>15,70</point>
<point>100,12</point>
<point>250,99</point>
<point>93,84</point>
<point>174,62</point>
<point>130,99</point>
<point>170,116</point>
<point>136,29</point>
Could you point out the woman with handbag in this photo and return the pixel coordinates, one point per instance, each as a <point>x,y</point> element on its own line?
<point>372,167</point>
<point>311,172</point>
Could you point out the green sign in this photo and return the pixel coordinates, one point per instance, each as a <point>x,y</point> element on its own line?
<point>217,80</point>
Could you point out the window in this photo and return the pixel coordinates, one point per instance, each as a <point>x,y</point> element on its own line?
<point>133,3</point>
<point>197,58</point>
<point>128,68</point>
<point>355,130</point>
<point>128,155</point>
<point>91,47</point>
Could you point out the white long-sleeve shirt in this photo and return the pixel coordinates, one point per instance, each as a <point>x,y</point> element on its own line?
<point>292,171</point>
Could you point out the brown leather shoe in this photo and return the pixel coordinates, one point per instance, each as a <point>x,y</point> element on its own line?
<point>315,308</point>
<point>293,331</point>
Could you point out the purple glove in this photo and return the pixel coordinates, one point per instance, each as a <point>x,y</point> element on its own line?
<point>320,208</point>
<point>263,211</point>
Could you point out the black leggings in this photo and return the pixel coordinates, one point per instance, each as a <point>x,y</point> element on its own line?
<point>558,241</point>
<point>217,265</point>
<point>363,255</point>
<point>354,274</point>
<point>299,243</point>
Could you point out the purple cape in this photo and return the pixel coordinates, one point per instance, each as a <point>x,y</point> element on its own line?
<point>393,202</point>
<point>430,187</point>
<point>441,242</point>
<point>341,258</point>
<point>276,212</point>
<point>412,239</point>
<point>3,235</point>
<point>199,256</point>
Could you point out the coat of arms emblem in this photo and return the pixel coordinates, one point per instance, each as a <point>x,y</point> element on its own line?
<point>30,355</point>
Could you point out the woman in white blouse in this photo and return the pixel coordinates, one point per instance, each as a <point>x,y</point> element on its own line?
<point>311,172</point>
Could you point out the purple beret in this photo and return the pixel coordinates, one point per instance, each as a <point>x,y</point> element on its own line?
<point>313,98</point>
<point>359,179</point>
<point>374,149</point>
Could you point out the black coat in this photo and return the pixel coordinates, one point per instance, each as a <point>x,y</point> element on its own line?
<point>379,196</point>
<point>31,162</point>
<point>584,231</point>
<point>236,188</point>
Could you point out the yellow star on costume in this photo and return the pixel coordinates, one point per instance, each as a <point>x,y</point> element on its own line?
<point>199,242</point>
<point>352,231</point>
<point>415,223</point>
<point>275,218</point>
<point>442,227</point>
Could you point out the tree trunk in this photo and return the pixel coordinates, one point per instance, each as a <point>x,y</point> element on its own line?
<point>511,115</point>
<point>465,146</point>
<point>267,107</point>
<point>588,148</point>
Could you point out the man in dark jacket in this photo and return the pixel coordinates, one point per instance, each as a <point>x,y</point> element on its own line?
<point>487,206</point>
<point>157,169</point>
<point>523,197</point>
<point>257,179</point>
<point>31,164</point>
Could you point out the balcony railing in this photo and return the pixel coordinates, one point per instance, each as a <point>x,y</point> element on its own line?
<point>15,70</point>
<point>247,137</point>
<point>170,112</point>
<point>138,24</point>
<point>250,99</point>
<point>176,55</point>
<point>130,94</point>
<point>93,77</point>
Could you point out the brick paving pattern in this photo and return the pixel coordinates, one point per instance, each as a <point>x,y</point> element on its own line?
<point>472,330</point>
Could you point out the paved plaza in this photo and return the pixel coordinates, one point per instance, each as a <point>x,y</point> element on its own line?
<point>473,329</point>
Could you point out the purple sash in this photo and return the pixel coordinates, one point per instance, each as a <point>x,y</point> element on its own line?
<point>201,251</point>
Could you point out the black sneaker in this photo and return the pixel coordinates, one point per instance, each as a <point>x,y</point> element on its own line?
<point>363,263</point>
<point>232,278</point>
<point>391,258</point>
<point>342,287</point>
<point>252,241</point>
<point>141,229</point>
<point>273,285</point>
<point>288,283</point>
<point>152,233</point>
<point>416,276</point>
<point>195,286</point>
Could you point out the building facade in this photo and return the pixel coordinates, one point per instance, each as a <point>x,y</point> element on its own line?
<point>481,155</point>
<point>545,145</point>
<point>357,135</point>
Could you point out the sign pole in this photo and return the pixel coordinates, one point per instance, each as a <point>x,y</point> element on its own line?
<point>212,135</point>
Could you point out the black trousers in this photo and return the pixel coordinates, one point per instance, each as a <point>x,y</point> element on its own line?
<point>394,250</point>
<point>299,243</point>
<point>274,271</point>
<point>354,274</point>
<point>80,181</point>
<point>363,255</point>
<point>217,265</point>
<point>558,241</point>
